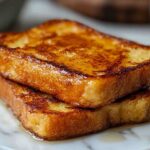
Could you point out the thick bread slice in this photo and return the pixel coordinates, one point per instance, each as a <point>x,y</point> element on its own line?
<point>75,63</point>
<point>50,119</point>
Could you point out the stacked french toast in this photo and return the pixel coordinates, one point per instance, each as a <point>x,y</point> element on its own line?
<point>63,79</point>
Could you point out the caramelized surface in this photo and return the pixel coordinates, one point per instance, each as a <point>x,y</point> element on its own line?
<point>51,119</point>
<point>43,103</point>
<point>78,48</point>
<point>38,102</point>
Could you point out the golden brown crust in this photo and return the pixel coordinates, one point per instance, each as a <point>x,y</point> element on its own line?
<point>98,53</point>
<point>75,63</point>
<point>50,119</point>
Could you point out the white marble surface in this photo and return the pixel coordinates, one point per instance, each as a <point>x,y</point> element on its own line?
<point>14,137</point>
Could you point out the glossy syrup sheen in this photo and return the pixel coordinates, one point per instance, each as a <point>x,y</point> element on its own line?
<point>51,119</point>
<point>78,48</point>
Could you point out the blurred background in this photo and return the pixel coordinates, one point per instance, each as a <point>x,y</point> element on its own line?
<point>129,19</point>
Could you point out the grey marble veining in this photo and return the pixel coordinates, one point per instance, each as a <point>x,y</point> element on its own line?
<point>14,137</point>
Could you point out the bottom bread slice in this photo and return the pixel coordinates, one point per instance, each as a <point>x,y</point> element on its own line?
<point>51,119</point>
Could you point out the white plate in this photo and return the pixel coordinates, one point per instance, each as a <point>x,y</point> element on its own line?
<point>14,137</point>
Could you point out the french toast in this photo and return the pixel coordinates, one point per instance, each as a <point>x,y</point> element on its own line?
<point>51,119</point>
<point>75,63</point>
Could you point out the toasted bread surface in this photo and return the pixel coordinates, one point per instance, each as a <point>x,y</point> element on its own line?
<point>75,63</point>
<point>51,119</point>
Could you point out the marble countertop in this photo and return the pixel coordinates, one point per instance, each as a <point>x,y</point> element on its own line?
<point>14,137</point>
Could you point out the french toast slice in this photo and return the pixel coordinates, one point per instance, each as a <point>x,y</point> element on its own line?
<point>75,63</point>
<point>51,119</point>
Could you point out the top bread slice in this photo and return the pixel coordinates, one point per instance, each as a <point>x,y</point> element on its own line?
<point>75,63</point>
